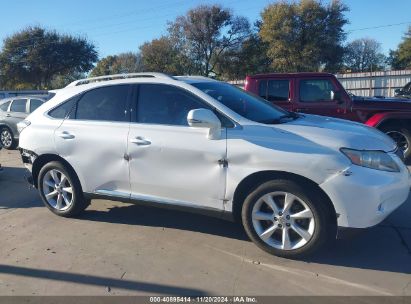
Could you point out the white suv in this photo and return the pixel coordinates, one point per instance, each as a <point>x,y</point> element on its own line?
<point>204,145</point>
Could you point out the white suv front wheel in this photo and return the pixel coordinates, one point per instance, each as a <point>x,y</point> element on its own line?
<point>287,220</point>
<point>60,190</point>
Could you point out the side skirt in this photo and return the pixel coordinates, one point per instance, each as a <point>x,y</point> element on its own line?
<point>217,213</point>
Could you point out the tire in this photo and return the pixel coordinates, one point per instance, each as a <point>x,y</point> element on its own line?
<point>68,199</point>
<point>402,136</point>
<point>318,229</point>
<point>7,139</point>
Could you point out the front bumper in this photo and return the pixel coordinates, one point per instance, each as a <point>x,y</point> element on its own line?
<point>364,197</point>
<point>28,159</point>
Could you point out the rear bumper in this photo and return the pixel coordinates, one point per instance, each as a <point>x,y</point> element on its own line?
<point>364,197</point>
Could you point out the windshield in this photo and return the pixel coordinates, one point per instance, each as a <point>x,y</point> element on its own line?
<point>244,103</point>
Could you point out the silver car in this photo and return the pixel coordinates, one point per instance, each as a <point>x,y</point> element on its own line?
<point>12,111</point>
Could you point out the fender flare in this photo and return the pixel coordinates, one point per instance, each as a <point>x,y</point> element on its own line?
<point>377,119</point>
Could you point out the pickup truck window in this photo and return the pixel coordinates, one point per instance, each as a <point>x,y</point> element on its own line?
<point>275,90</point>
<point>244,103</point>
<point>316,90</point>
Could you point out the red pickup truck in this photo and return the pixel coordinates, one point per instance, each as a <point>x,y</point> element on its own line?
<point>323,94</point>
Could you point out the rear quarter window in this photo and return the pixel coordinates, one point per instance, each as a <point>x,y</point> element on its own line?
<point>4,107</point>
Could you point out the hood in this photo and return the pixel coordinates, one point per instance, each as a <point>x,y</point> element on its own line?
<point>382,104</point>
<point>336,133</point>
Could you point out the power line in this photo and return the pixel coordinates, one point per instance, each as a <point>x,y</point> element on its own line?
<point>378,26</point>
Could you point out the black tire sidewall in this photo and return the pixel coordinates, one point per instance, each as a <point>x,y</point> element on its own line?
<point>78,204</point>
<point>405,132</point>
<point>317,206</point>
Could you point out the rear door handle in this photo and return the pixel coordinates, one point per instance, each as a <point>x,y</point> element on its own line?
<point>66,135</point>
<point>140,141</point>
<point>8,115</point>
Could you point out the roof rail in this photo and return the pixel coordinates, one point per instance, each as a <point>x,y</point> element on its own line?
<point>118,76</point>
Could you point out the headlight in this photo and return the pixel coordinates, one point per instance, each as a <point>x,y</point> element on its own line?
<point>378,160</point>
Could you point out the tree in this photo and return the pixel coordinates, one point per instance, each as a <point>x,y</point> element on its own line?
<point>118,64</point>
<point>205,33</point>
<point>34,56</point>
<point>304,36</point>
<point>161,55</point>
<point>364,55</point>
<point>250,58</point>
<point>401,58</point>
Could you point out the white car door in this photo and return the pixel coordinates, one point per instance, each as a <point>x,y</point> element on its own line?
<point>171,162</point>
<point>94,140</point>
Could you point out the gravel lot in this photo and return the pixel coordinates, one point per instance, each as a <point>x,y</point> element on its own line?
<point>123,249</point>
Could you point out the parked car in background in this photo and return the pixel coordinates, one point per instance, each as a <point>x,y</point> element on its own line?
<point>204,145</point>
<point>12,111</point>
<point>15,93</point>
<point>323,94</point>
<point>404,92</point>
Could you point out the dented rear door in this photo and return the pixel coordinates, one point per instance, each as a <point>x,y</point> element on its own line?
<point>94,140</point>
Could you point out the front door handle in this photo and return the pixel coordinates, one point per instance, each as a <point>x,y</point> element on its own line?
<point>66,135</point>
<point>8,115</point>
<point>140,141</point>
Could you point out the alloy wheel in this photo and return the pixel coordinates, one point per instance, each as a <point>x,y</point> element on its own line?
<point>57,190</point>
<point>283,221</point>
<point>400,139</point>
<point>6,138</point>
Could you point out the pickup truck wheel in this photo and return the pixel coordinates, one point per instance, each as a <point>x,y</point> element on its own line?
<point>287,220</point>
<point>401,136</point>
<point>7,139</point>
<point>60,190</point>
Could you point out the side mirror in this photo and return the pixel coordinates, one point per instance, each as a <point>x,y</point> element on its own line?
<point>336,96</point>
<point>397,91</point>
<point>203,118</point>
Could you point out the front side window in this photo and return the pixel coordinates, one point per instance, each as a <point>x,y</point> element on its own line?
<point>5,106</point>
<point>34,104</point>
<point>243,103</point>
<point>104,104</point>
<point>316,90</point>
<point>18,105</point>
<point>165,105</point>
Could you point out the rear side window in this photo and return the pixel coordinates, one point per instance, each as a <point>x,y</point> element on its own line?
<point>165,105</point>
<point>262,90</point>
<point>104,104</point>
<point>18,105</point>
<point>4,107</point>
<point>316,90</point>
<point>278,90</point>
<point>34,104</point>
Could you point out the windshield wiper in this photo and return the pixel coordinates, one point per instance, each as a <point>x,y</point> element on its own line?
<point>280,119</point>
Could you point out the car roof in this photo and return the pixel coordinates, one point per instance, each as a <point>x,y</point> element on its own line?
<point>40,97</point>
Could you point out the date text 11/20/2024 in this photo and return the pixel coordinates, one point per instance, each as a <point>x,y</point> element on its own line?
<point>237,299</point>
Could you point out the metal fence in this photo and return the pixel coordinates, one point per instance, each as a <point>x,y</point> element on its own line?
<point>368,84</point>
<point>375,83</point>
